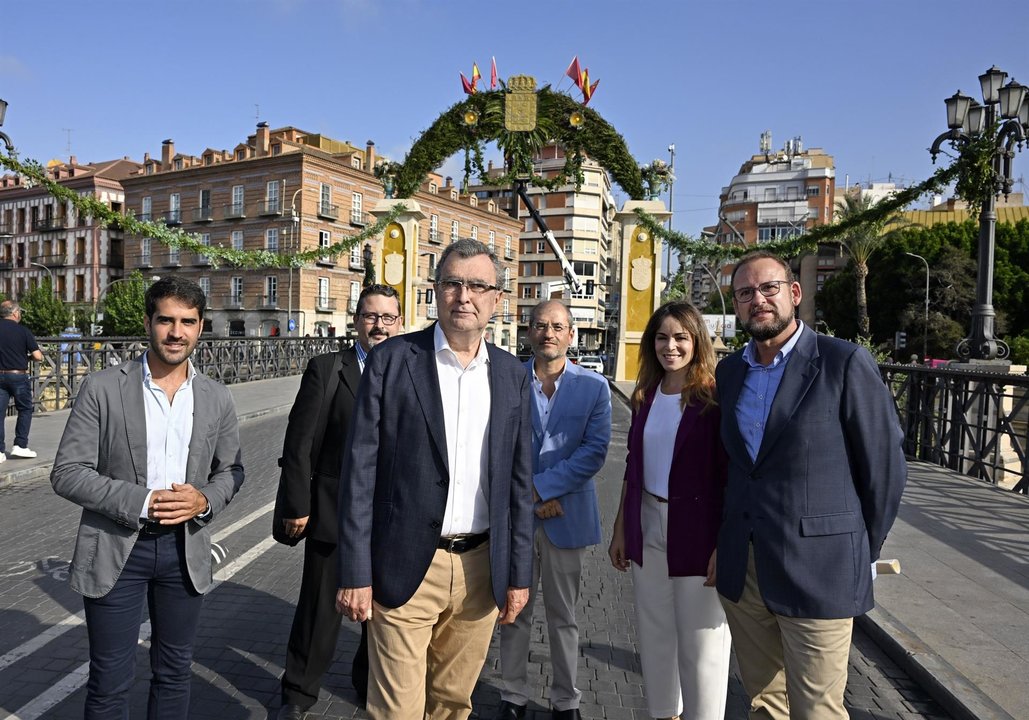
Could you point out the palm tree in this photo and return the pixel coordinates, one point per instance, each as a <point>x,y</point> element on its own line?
<point>861,242</point>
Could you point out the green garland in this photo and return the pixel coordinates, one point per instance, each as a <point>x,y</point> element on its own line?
<point>176,239</point>
<point>450,134</point>
<point>793,246</point>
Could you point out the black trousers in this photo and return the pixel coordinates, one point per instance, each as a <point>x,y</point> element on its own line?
<point>312,640</point>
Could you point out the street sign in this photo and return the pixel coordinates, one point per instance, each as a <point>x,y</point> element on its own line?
<point>292,324</point>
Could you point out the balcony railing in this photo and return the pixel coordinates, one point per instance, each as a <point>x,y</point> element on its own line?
<point>49,224</point>
<point>271,207</point>
<point>6,265</point>
<point>173,217</point>
<point>352,306</point>
<point>200,260</point>
<point>325,304</point>
<point>359,218</point>
<point>232,302</point>
<point>268,302</point>
<point>51,261</point>
<point>203,214</point>
<point>80,258</point>
<point>235,211</point>
<point>326,210</point>
<point>144,217</point>
<point>434,236</point>
<point>172,260</point>
<point>326,260</point>
<point>6,230</point>
<point>356,263</point>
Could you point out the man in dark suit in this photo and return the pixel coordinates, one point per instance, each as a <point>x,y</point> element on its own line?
<point>816,473</point>
<point>151,453</point>
<point>310,464</point>
<point>436,511</point>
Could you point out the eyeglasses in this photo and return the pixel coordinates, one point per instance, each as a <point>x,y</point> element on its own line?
<point>542,327</point>
<point>373,318</point>
<point>768,289</point>
<point>452,286</point>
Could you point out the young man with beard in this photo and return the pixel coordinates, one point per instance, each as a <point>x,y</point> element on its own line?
<point>151,453</point>
<point>311,450</point>
<point>816,473</point>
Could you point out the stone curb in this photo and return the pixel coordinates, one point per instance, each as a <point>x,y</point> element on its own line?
<point>42,472</point>
<point>955,693</point>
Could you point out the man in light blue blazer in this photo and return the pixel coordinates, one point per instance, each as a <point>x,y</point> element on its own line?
<point>571,423</point>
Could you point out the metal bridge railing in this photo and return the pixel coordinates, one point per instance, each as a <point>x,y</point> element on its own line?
<point>972,422</point>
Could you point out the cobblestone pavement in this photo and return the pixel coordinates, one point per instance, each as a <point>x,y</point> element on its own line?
<point>240,648</point>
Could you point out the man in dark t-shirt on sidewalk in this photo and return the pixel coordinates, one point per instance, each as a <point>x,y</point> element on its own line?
<point>17,345</point>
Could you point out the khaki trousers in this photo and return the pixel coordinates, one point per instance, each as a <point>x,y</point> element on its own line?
<point>792,668</point>
<point>426,655</point>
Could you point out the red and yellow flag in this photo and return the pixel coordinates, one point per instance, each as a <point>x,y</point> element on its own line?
<point>476,75</point>
<point>468,87</point>
<point>493,74</point>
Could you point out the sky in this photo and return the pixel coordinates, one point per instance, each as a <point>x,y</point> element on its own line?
<point>865,81</point>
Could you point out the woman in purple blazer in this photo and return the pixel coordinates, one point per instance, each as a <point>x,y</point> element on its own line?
<point>668,518</point>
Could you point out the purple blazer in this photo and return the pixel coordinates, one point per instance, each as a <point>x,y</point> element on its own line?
<point>696,485</point>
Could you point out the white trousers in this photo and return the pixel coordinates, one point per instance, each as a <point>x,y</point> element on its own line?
<point>559,570</point>
<point>684,640</point>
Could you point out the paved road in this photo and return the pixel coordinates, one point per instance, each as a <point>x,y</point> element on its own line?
<point>246,619</point>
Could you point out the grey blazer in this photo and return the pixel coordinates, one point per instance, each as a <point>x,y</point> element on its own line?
<point>101,465</point>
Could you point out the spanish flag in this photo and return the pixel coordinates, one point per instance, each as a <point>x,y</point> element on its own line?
<point>587,89</point>
<point>476,75</point>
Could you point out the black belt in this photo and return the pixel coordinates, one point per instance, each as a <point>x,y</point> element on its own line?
<point>656,497</point>
<point>462,543</point>
<point>155,529</point>
<point>14,372</point>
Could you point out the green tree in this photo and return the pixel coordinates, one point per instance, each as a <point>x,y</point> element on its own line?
<point>42,312</point>
<point>123,306</point>
<point>860,244</point>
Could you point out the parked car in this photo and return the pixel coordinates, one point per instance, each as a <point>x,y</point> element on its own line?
<point>592,362</point>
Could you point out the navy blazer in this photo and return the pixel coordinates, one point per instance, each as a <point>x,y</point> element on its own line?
<point>395,476</point>
<point>569,452</point>
<point>824,489</point>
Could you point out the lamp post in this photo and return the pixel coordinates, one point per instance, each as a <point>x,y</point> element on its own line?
<point>369,269</point>
<point>925,327</point>
<point>671,184</point>
<point>53,287</point>
<point>293,237</point>
<point>1005,111</point>
<point>100,296</point>
<point>8,145</point>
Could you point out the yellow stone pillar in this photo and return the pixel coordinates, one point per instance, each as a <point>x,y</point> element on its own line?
<point>641,283</point>
<point>396,260</point>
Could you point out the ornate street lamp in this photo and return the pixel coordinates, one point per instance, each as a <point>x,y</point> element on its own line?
<point>369,269</point>
<point>1005,114</point>
<point>8,145</point>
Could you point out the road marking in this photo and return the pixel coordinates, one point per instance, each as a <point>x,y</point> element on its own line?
<point>77,678</point>
<point>72,621</point>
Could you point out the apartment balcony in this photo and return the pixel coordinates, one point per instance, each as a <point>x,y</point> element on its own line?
<point>358,218</point>
<point>330,212</point>
<point>200,260</point>
<point>356,263</point>
<point>172,260</point>
<point>6,230</point>
<point>49,224</point>
<point>435,237</point>
<point>235,211</point>
<point>144,261</point>
<point>268,302</point>
<point>352,306</point>
<point>326,260</point>
<point>232,302</point>
<point>270,207</point>
<point>203,215</point>
<point>6,265</point>
<point>80,258</point>
<point>325,304</point>
<point>145,217</point>
<point>51,261</point>
<point>173,217</point>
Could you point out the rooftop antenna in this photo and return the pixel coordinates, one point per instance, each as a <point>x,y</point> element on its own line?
<point>257,113</point>
<point>67,147</point>
<point>766,142</point>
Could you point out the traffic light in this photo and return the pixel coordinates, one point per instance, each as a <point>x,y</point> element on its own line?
<point>590,285</point>
<point>900,340</point>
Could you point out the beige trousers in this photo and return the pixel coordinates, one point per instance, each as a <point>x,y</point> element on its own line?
<point>425,656</point>
<point>792,668</point>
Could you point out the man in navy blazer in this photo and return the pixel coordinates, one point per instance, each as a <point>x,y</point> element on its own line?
<point>436,499</point>
<point>571,429</point>
<point>816,473</point>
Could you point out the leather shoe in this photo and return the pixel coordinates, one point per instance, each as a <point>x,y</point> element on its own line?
<point>291,712</point>
<point>572,714</point>
<point>510,711</point>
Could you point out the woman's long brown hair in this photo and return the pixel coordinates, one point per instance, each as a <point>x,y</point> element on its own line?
<point>700,374</point>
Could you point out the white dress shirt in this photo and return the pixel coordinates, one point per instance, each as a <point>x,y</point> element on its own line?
<point>169,428</point>
<point>465,392</point>
<point>544,403</point>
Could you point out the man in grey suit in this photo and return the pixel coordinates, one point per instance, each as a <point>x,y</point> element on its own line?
<point>816,473</point>
<point>151,453</point>
<point>436,499</point>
